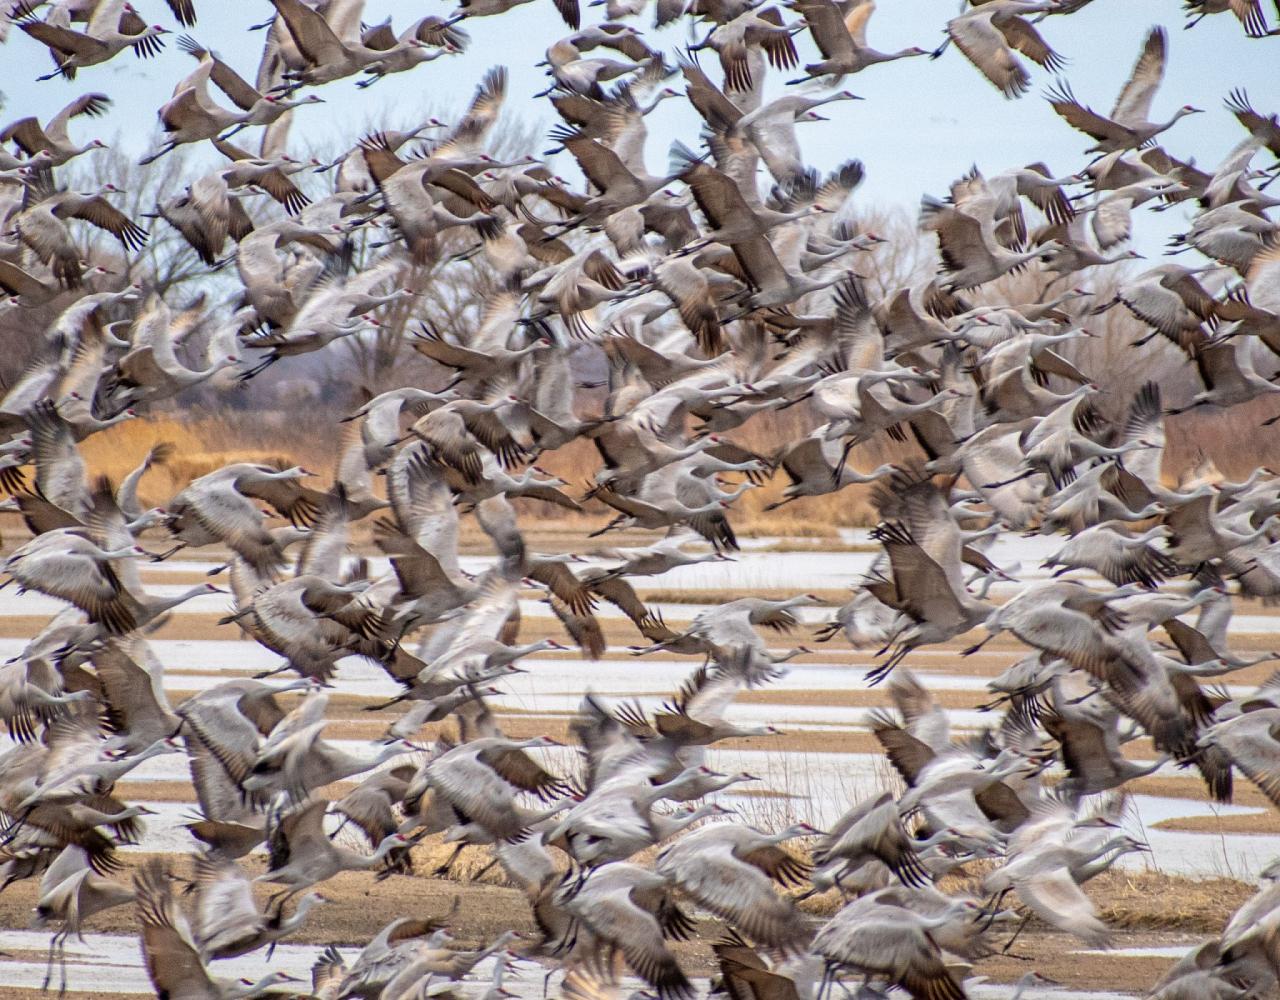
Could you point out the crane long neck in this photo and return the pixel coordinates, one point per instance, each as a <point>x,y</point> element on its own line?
<point>159,605</point>
<point>932,840</point>
<point>667,826</point>
<point>258,988</point>
<point>299,916</point>
<point>382,850</point>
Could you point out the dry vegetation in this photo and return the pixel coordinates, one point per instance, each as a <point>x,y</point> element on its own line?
<point>488,907</point>
<point>221,423</point>
<point>204,441</point>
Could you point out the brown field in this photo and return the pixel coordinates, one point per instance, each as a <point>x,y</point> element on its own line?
<point>206,440</point>
<point>359,905</point>
<point>1146,908</point>
<point>1263,823</point>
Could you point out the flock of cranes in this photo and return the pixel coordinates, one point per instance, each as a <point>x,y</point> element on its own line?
<point>713,300</point>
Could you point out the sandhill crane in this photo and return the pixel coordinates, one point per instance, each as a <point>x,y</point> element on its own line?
<point>620,187</point>
<point>924,590</point>
<point>257,108</point>
<point>1247,12</point>
<point>223,728</point>
<point>70,891</point>
<point>1230,235</point>
<point>891,942</point>
<point>94,769</point>
<point>873,829</point>
<point>731,216</point>
<point>771,128</point>
<point>1068,251</point>
<point>302,855</point>
<point>575,74</point>
<point>131,685</point>
<point>1200,533</point>
<point>380,420</point>
<point>427,590</point>
<point>626,908</point>
<point>459,433</point>
<point>567,9</point>
<point>1038,868</point>
<point>1199,973</point>
<point>1229,378</point>
<point>970,254</point>
<point>239,524</point>
<point>1089,742</point>
<point>152,371</point>
<point>1196,647</point>
<point>66,565</point>
<point>1264,128</point>
<point>952,788</point>
<point>730,869</point>
<point>469,358</point>
<point>742,969</point>
<point>751,32</point>
<point>1118,556</point>
<point>305,762</point>
<point>370,805</point>
<point>988,35</point>
<point>423,964</point>
<point>426,39</point>
<point>480,780</point>
<point>695,716</point>
<point>660,557</point>
<point>310,330</point>
<point>616,819</point>
<point>113,27</point>
<point>380,963</point>
<point>840,34</point>
<point>228,922</point>
<point>52,139</point>
<point>864,621</point>
<point>32,692</point>
<point>1128,126</point>
<point>1250,742</point>
<point>42,225</point>
<point>330,45</point>
<point>24,288</point>
<point>172,958</point>
<point>728,631</point>
<point>192,115</point>
<point>668,500</point>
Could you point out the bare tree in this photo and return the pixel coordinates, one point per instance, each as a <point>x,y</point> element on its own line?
<point>167,261</point>
<point>907,256</point>
<point>448,294</point>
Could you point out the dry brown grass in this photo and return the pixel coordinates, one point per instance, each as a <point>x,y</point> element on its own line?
<point>1233,438</point>
<point>710,595</point>
<point>1125,899</point>
<point>1266,822</point>
<point>205,441</point>
<point>1137,900</point>
<point>201,444</point>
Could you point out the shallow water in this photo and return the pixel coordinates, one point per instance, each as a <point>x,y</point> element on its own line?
<point>1176,852</point>
<point>1152,951</point>
<point>109,963</point>
<point>106,963</point>
<point>751,569</point>
<point>819,786</point>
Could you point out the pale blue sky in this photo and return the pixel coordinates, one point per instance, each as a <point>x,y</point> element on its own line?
<point>922,123</point>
